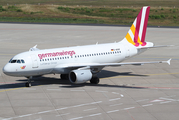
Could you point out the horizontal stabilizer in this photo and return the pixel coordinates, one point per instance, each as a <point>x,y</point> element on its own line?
<point>156,46</point>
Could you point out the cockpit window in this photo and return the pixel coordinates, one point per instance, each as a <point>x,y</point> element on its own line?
<point>16,61</point>
<point>13,61</point>
<point>22,61</point>
<point>10,60</point>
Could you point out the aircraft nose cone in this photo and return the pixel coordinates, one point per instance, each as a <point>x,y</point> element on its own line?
<point>6,69</point>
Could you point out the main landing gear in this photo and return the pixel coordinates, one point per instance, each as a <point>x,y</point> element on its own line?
<point>28,83</point>
<point>94,80</point>
<point>64,76</point>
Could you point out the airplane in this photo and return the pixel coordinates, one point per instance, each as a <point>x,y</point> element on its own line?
<point>80,64</point>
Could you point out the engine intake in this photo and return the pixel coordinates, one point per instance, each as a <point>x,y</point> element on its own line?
<point>80,76</point>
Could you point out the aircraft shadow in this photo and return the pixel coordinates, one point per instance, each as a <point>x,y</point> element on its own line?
<point>106,73</point>
<point>67,84</point>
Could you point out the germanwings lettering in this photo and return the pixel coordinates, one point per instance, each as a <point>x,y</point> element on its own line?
<point>54,54</point>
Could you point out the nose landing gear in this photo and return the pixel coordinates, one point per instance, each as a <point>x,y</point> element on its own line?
<point>28,83</point>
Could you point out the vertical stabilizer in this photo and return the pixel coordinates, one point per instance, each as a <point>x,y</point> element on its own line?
<point>137,32</point>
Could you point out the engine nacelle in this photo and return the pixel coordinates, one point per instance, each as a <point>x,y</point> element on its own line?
<point>80,76</point>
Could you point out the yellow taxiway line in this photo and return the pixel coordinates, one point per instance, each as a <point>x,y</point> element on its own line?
<point>12,89</point>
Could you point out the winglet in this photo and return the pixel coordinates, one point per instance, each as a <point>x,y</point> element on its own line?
<point>169,61</point>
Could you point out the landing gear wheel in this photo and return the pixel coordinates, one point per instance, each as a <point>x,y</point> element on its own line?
<point>27,84</point>
<point>94,80</point>
<point>64,76</point>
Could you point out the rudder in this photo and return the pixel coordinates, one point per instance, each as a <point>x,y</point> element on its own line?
<point>137,32</point>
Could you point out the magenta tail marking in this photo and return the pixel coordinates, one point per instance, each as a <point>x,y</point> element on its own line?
<point>137,28</point>
<point>145,26</point>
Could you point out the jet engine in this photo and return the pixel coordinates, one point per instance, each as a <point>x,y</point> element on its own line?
<point>80,76</point>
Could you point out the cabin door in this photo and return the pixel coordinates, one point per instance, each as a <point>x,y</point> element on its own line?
<point>34,61</point>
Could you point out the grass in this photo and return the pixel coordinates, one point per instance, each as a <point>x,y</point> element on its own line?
<point>49,20</point>
<point>111,3</point>
<point>159,16</point>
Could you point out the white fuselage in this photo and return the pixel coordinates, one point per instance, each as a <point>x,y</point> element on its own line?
<point>50,61</point>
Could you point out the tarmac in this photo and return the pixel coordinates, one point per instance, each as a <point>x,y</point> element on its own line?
<point>147,92</point>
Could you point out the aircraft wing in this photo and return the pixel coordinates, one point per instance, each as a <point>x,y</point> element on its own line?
<point>134,63</point>
<point>92,65</point>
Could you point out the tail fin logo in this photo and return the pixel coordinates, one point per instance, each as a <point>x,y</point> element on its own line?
<point>137,32</point>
